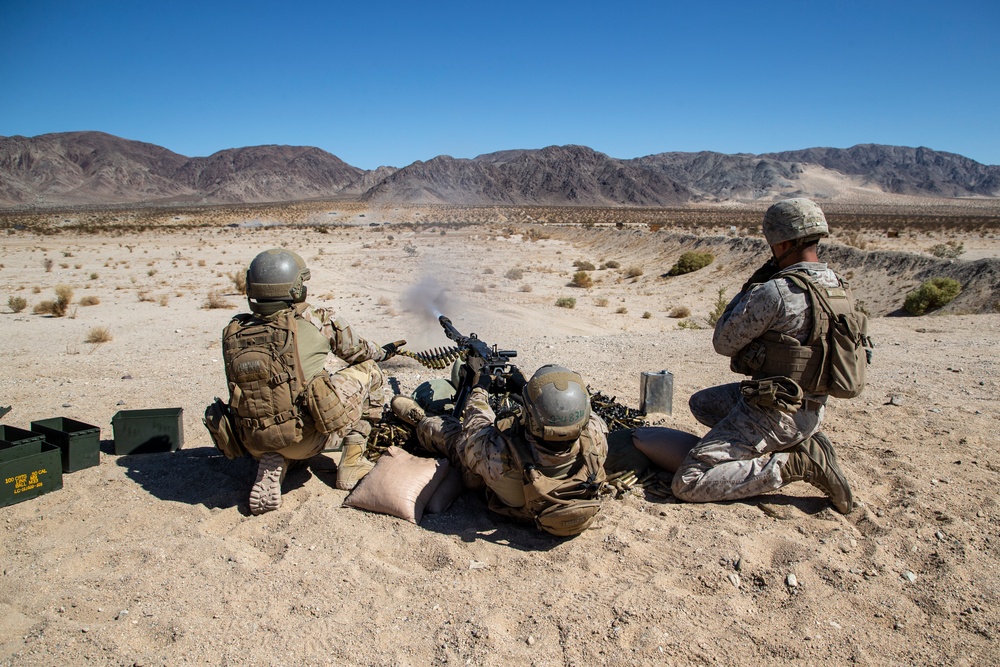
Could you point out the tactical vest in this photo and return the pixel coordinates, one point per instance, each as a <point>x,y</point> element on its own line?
<point>559,501</point>
<point>835,356</point>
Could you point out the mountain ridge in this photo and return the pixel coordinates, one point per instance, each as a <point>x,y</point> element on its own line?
<point>83,168</point>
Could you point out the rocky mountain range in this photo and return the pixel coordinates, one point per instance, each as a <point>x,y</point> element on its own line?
<point>87,168</point>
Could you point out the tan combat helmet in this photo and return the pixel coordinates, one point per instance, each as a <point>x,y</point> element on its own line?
<point>274,277</point>
<point>794,219</point>
<point>556,405</point>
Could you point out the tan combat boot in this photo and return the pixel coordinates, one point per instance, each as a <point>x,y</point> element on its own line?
<point>815,462</point>
<point>265,494</point>
<point>407,409</point>
<point>353,464</point>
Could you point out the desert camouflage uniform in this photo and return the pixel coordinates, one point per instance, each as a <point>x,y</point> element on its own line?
<point>741,456</point>
<point>476,446</point>
<point>318,334</point>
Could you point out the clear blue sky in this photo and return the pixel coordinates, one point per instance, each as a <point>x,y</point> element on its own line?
<point>393,82</point>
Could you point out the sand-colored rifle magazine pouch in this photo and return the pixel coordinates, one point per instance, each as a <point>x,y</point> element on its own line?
<point>219,423</point>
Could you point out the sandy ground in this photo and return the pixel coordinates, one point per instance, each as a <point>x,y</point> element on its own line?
<point>154,559</point>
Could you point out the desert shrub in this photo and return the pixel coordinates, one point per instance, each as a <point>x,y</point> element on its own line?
<point>691,261</point>
<point>479,289</point>
<point>601,302</point>
<point>688,324</point>
<point>525,287</point>
<point>410,250</point>
<point>622,310</point>
<point>164,299</point>
<point>646,315</point>
<point>720,307</point>
<point>514,274</point>
<point>581,279</point>
<point>98,335</point>
<point>44,308</point>
<point>612,264</point>
<point>931,295</point>
<point>47,263</point>
<point>17,303</point>
<point>488,271</point>
<point>93,276</point>
<point>678,312</point>
<point>215,300</point>
<point>239,280</point>
<point>633,272</point>
<point>949,250</point>
<point>64,295</point>
<point>566,302</point>
<point>583,265</point>
<point>89,301</point>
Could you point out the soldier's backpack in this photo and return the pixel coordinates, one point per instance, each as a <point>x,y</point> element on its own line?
<point>835,357</point>
<point>270,400</point>
<point>562,507</point>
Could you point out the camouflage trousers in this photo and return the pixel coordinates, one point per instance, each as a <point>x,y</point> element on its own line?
<point>444,436</point>
<point>362,390</point>
<point>741,456</point>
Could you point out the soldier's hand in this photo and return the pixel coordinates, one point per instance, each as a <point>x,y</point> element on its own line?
<point>516,381</point>
<point>761,275</point>
<point>391,349</point>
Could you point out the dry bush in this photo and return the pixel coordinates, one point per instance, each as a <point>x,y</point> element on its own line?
<point>383,301</point>
<point>584,265</point>
<point>201,262</point>
<point>691,261</point>
<point>646,315</point>
<point>854,238</point>
<point>36,290</point>
<point>601,302</point>
<point>239,280</point>
<point>611,265</point>
<point>633,272</point>
<point>525,287</point>
<point>479,289</point>
<point>949,250</point>
<point>514,274</point>
<point>89,301</point>
<point>164,299</point>
<point>581,279</point>
<point>63,265</point>
<point>145,296</point>
<point>44,308</point>
<point>93,276</point>
<point>688,324</point>
<point>215,300</point>
<point>489,271</point>
<point>98,335</point>
<point>677,312</point>
<point>621,310</point>
<point>720,307</point>
<point>566,302</point>
<point>17,303</point>
<point>64,295</point>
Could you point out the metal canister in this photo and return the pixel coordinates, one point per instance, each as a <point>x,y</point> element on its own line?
<point>656,392</point>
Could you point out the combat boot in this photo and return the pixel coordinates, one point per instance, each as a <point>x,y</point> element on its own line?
<point>353,464</point>
<point>407,410</point>
<point>814,461</point>
<point>265,494</point>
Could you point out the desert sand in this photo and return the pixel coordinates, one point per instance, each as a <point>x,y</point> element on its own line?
<point>155,560</point>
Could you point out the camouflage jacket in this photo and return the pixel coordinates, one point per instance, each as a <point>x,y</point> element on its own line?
<point>775,305</point>
<point>330,333</point>
<point>485,452</point>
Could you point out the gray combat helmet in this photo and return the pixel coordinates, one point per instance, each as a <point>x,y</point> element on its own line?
<point>793,219</point>
<point>556,405</point>
<point>276,275</point>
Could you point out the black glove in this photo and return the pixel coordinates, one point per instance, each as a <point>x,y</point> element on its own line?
<point>516,381</point>
<point>391,349</point>
<point>483,380</point>
<point>761,275</point>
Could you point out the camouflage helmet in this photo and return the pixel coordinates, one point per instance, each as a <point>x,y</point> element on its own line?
<point>556,404</point>
<point>276,275</point>
<point>793,219</point>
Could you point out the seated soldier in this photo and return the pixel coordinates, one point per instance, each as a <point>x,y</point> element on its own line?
<point>530,465</point>
<point>285,406</point>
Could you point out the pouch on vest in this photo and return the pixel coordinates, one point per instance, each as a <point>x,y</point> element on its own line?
<point>325,405</point>
<point>218,421</point>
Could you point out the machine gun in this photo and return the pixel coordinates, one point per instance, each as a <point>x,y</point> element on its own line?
<point>480,358</point>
